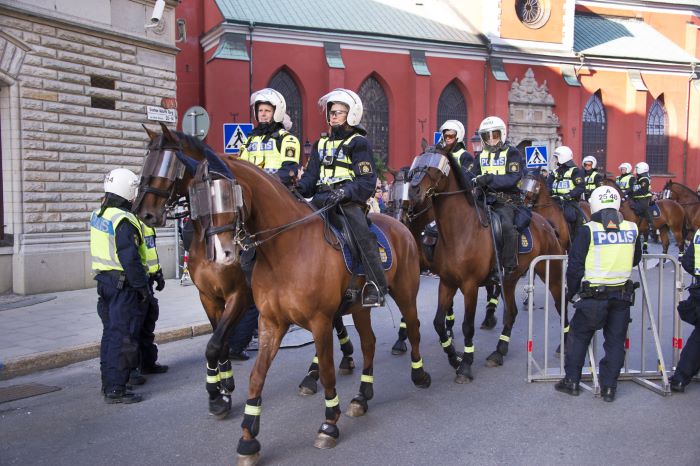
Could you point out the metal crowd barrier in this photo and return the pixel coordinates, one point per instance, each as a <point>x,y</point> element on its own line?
<point>637,367</point>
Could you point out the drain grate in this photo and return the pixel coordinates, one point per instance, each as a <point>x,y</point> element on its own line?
<point>17,392</point>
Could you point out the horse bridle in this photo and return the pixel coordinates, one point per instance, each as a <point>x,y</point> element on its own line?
<point>144,183</point>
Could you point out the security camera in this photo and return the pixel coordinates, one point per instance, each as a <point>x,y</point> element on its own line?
<point>158,9</point>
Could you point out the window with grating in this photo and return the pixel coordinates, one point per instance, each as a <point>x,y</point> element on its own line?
<point>375,117</point>
<point>595,131</point>
<point>283,83</point>
<point>102,82</point>
<point>451,106</point>
<point>657,139</point>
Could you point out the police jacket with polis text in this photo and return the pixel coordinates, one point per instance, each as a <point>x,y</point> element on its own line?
<point>512,169</point>
<point>358,152</point>
<point>568,172</point>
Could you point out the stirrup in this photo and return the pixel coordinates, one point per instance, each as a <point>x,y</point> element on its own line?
<point>366,302</point>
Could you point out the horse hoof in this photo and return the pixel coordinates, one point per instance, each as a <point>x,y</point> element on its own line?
<point>489,323</point>
<point>494,360</point>
<point>325,441</point>
<point>356,409</point>
<point>248,460</point>
<point>308,386</point>
<point>399,347</point>
<point>454,361</point>
<point>462,379</point>
<point>220,407</point>
<point>346,366</point>
<point>425,382</point>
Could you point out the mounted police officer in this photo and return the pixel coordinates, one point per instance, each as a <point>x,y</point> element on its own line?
<point>497,170</point>
<point>641,194</point>
<point>689,311</point>
<point>625,181</point>
<point>566,186</point>
<point>593,179</point>
<point>341,171</point>
<point>122,283</point>
<point>270,146</point>
<point>600,265</point>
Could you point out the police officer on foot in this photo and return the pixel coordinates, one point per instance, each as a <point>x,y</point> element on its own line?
<point>497,170</point>
<point>341,171</point>
<point>566,185</point>
<point>625,181</point>
<point>593,178</point>
<point>600,265</point>
<point>689,311</point>
<point>641,193</point>
<point>122,283</point>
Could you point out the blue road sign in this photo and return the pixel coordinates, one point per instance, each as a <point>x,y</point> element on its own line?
<point>235,135</point>
<point>536,156</point>
<point>436,137</point>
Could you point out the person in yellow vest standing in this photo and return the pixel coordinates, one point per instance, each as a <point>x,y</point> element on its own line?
<point>497,170</point>
<point>566,184</point>
<point>601,258</point>
<point>593,178</point>
<point>341,172</point>
<point>122,283</point>
<point>625,181</point>
<point>689,311</point>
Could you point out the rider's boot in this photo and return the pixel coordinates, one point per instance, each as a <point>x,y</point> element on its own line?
<point>510,251</point>
<point>374,290</point>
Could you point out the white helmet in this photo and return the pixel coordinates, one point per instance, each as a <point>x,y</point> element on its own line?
<point>346,97</point>
<point>626,166</point>
<point>591,159</point>
<point>454,125</point>
<point>122,182</point>
<point>287,122</point>
<point>488,125</point>
<point>563,154</point>
<point>641,167</point>
<point>604,197</point>
<point>272,97</point>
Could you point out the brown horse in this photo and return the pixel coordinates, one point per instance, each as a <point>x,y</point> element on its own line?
<point>223,291</point>
<point>688,199</point>
<point>465,258</point>
<point>299,277</point>
<point>672,217</point>
<point>537,197</point>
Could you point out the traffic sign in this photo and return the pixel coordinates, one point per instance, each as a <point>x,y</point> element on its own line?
<point>436,137</point>
<point>235,135</point>
<point>536,156</point>
<point>195,122</point>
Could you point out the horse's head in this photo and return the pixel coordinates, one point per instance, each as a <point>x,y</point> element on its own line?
<point>667,191</point>
<point>398,194</point>
<point>428,175</point>
<point>531,186</point>
<point>161,177</point>
<point>216,205</point>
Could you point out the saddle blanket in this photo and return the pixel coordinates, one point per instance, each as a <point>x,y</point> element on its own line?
<point>655,212</point>
<point>525,243</point>
<point>354,265</point>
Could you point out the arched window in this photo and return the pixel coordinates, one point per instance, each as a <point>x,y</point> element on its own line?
<point>451,106</point>
<point>657,139</point>
<point>376,116</point>
<point>283,83</point>
<point>595,131</point>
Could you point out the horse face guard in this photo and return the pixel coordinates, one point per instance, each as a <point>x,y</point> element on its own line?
<point>530,187</point>
<point>213,194</point>
<point>420,167</point>
<point>162,161</point>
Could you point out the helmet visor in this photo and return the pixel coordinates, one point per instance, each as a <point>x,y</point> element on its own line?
<point>529,185</point>
<point>163,164</point>
<point>214,197</point>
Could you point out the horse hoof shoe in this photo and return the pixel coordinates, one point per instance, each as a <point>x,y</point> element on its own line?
<point>495,360</point>
<point>488,324</point>
<point>344,371</point>
<point>355,409</point>
<point>220,407</point>
<point>248,460</point>
<point>399,348</point>
<point>462,379</point>
<point>324,442</point>
<point>425,383</point>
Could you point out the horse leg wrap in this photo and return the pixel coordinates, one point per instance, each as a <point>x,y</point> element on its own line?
<point>403,334</point>
<point>346,365</point>
<point>419,377</point>
<point>468,356</point>
<point>313,368</point>
<point>226,381</point>
<point>502,346</point>
<point>251,417</point>
<point>248,447</point>
<point>367,384</point>
<point>450,322</point>
<point>452,357</point>
<point>213,386</point>
<point>332,411</point>
<point>492,304</point>
<point>329,429</point>
<point>345,342</point>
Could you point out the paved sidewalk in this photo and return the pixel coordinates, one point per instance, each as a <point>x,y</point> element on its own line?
<point>66,329</point>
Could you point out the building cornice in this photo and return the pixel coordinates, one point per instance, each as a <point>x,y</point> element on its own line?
<point>646,6</point>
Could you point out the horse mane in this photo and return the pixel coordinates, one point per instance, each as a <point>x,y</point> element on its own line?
<point>685,188</point>
<point>462,182</point>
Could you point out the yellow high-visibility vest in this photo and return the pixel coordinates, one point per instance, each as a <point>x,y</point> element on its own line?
<point>590,181</point>
<point>341,169</point>
<point>642,196</point>
<point>490,164</point>
<point>696,251</point>
<point>610,254</point>
<point>267,156</point>
<point>147,249</point>
<point>623,181</point>
<point>103,247</point>
<point>565,184</point>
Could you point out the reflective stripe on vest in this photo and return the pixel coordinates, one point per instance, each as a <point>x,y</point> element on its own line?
<point>265,154</point>
<point>610,254</point>
<point>590,181</point>
<point>490,164</point>
<point>623,181</point>
<point>696,251</point>
<point>147,249</point>
<point>457,155</point>
<point>637,187</point>
<point>332,174</point>
<point>103,248</point>
<point>565,184</point>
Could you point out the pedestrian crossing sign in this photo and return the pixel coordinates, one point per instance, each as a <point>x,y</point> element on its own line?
<point>536,156</point>
<point>437,135</point>
<point>235,135</point>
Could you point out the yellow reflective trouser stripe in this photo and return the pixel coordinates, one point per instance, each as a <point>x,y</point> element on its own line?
<point>504,338</point>
<point>447,343</point>
<point>402,325</point>
<point>344,340</point>
<point>417,365</point>
<point>252,410</point>
<point>332,403</point>
<point>493,301</point>
<point>213,378</point>
<point>450,317</point>
<point>226,374</point>
<point>567,328</point>
<point>315,360</point>
<point>367,378</point>
<point>469,349</point>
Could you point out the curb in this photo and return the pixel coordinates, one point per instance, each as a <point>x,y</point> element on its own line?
<point>58,358</point>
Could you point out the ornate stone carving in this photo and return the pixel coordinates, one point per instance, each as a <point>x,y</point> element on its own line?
<point>530,112</point>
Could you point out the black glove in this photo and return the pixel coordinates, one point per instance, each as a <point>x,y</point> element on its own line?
<point>144,294</point>
<point>569,296</point>
<point>482,180</point>
<point>337,196</point>
<point>566,197</point>
<point>159,279</point>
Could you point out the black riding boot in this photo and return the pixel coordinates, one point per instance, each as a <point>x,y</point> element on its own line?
<point>510,250</point>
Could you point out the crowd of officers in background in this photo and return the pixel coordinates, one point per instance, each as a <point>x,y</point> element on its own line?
<point>341,172</point>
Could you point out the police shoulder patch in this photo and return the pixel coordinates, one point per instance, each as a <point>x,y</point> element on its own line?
<point>365,168</point>
<point>290,152</point>
<point>514,167</point>
<point>578,180</point>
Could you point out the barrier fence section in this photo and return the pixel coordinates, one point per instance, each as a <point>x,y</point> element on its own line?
<point>637,367</point>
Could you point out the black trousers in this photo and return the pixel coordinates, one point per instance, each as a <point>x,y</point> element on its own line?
<point>148,350</point>
<point>643,206</point>
<point>689,362</point>
<point>613,316</point>
<point>506,212</point>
